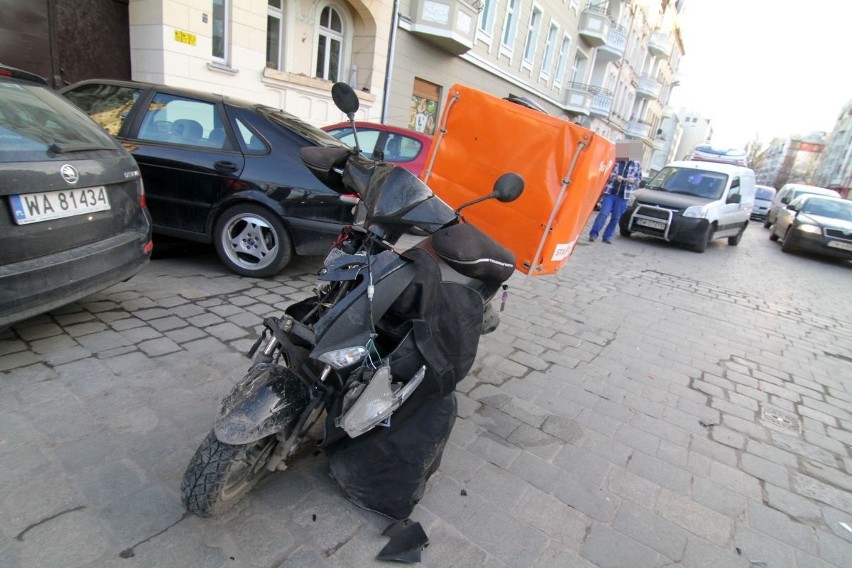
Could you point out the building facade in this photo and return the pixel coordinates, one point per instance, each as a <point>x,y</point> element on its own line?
<point>790,160</point>
<point>608,65</point>
<point>835,168</point>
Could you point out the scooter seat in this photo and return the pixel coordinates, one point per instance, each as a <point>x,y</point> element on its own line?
<point>471,252</point>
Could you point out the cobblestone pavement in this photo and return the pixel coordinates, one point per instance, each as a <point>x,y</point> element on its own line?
<point>649,406</point>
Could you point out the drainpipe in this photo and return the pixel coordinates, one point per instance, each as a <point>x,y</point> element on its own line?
<point>389,68</point>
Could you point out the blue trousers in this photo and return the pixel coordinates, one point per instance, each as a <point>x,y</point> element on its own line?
<point>612,206</point>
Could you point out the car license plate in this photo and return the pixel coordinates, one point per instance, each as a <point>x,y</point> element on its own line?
<point>840,245</point>
<point>659,225</point>
<point>35,207</point>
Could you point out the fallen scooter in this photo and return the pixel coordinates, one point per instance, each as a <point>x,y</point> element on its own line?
<point>373,357</point>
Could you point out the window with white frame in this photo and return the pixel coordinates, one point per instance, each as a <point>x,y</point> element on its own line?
<point>510,25</point>
<point>562,61</point>
<point>531,40</point>
<point>549,48</point>
<point>486,17</point>
<point>329,52</point>
<point>221,30</point>
<point>275,34</point>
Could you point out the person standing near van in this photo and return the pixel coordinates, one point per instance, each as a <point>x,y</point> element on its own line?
<point>623,181</point>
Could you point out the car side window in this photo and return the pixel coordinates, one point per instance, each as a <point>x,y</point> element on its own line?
<point>108,105</point>
<point>367,139</point>
<point>180,120</point>
<point>399,148</point>
<point>249,140</point>
<point>735,187</point>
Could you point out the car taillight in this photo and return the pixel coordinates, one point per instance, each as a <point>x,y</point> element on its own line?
<point>149,246</point>
<point>142,202</point>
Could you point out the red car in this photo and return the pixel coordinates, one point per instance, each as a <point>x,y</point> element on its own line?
<point>407,148</point>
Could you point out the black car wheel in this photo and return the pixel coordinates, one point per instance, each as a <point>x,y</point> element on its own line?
<point>772,235</point>
<point>251,241</point>
<point>703,240</point>
<point>787,243</point>
<point>735,240</point>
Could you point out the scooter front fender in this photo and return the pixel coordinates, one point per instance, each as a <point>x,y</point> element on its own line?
<point>268,400</point>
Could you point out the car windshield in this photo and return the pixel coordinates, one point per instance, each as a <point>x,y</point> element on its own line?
<point>764,193</point>
<point>690,181</point>
<point>828,208</point>
<point>301,127</point>
<point>36,124</point>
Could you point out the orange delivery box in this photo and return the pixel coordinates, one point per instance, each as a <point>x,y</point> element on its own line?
<point>564,166</point>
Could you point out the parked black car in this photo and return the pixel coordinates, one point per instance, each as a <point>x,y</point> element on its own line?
<point>221,170</point>
<point>72,209</point>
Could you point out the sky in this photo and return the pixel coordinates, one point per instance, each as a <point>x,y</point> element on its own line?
<point>765,68</point>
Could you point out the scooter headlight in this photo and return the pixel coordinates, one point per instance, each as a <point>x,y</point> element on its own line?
<point>373,405</point>
<point>342,358</point>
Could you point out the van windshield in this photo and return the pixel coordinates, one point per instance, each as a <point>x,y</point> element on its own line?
<point>690,181</point>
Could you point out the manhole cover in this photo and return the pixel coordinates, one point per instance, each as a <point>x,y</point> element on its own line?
<point>780,418</point>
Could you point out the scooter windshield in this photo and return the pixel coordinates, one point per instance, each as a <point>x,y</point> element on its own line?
<point>393,195</point>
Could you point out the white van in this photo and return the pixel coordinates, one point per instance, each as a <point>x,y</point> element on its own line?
<point>788,193</point>
<point>692,203</point>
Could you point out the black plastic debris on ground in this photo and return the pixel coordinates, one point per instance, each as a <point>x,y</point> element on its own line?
<point>407,541</point>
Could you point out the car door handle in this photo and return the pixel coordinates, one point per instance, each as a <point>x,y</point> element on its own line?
<point>225,166</point>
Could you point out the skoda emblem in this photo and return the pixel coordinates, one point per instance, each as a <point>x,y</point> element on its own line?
<point>69,173</point>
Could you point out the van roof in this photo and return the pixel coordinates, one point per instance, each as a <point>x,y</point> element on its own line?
<point>710,167</point>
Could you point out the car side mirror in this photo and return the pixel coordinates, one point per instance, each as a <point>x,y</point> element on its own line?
<point>735,198</point>
<point>643,183</point>
<point>785,200</point>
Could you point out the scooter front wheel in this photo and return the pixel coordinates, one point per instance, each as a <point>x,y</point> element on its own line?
<point>220,474</point>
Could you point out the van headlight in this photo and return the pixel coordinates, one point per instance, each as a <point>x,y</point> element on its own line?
<point>696,211</point>
<point>808,228</point>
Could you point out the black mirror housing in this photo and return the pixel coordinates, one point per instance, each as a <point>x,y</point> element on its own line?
<point>345,98</point>
<point>735,198</point>
<point>508,187</point>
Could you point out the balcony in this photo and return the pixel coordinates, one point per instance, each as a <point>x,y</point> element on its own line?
<point>639,129</point>
<point>594,26</point>
<point>578,98</point>
<point>613,47</point>
<point>601,104</point>
<point>648,87</point>
<point>449,24</point>
<point>660,45</point>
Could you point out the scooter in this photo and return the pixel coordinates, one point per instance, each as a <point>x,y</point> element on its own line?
<point>373,357</point>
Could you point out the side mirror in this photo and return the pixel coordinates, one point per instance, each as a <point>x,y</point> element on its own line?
<point>508,187</point>
<point>735,198</point>
<point>642,184</point>
<point>345,99</point>
<point>785,200</point>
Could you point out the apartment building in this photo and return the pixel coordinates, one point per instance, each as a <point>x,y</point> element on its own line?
<point>609,65</point>
<point>790,160</point>
<point>835,167</point>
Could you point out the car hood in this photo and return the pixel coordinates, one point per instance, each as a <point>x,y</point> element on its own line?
<point>827,222</point>
<point>667,199</point>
